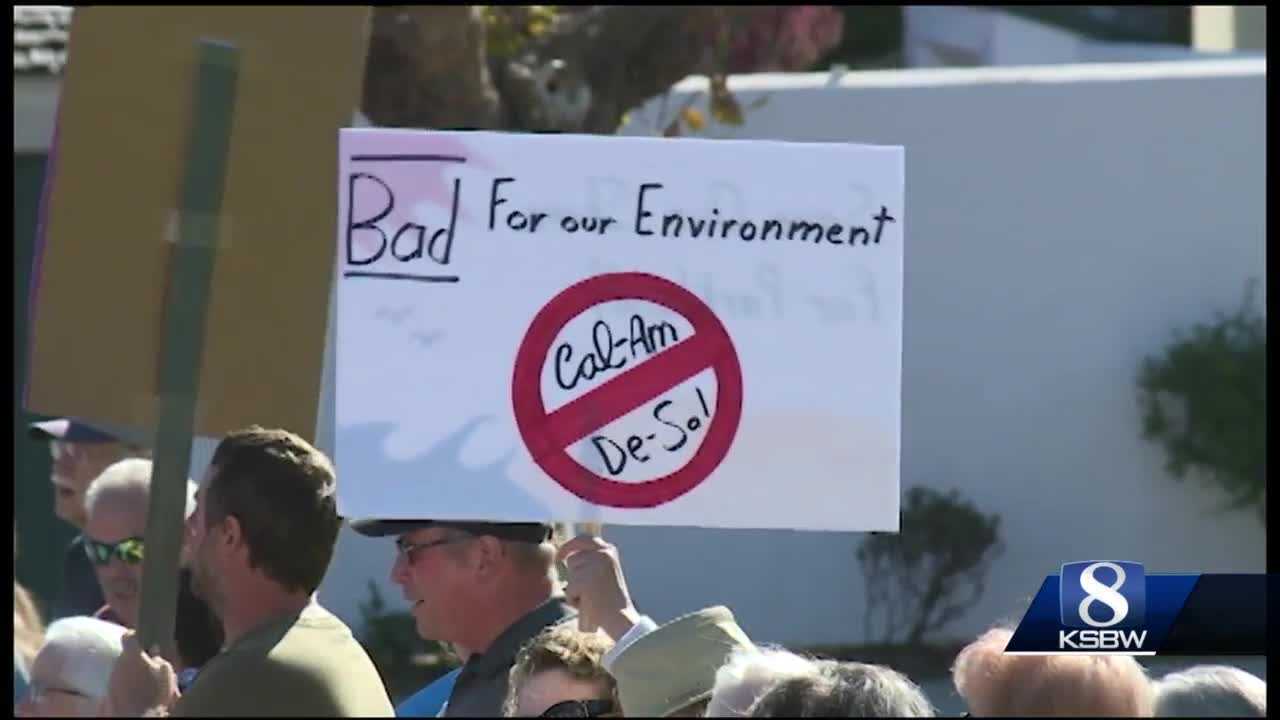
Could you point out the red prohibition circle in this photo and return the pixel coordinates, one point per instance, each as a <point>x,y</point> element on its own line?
<point>549,435</point>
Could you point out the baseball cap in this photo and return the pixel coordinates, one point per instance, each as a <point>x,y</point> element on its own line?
<point>519,532</point>
<point>70,430</point>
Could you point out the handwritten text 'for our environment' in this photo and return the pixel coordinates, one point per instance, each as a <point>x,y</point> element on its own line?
<point>414,245</point>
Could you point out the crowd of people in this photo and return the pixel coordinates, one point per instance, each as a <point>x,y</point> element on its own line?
<point>545,626</point>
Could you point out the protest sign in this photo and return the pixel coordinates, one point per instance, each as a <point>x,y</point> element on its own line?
<point>619,330</point>
<point>112,213</point>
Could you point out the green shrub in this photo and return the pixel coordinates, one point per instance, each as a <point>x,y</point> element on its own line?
<point>1205,401</point>
<point>932,571</point>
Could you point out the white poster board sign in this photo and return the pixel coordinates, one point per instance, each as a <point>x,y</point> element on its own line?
<point>624,330</point>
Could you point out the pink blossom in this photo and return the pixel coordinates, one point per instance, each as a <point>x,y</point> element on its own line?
<point>786,39</point>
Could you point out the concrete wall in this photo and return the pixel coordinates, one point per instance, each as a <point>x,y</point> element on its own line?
<point>1062,222</point>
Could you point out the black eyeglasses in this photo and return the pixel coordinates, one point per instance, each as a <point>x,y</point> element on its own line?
<point>128,550</point>
<point>579,709</point>
<point>406,550</point>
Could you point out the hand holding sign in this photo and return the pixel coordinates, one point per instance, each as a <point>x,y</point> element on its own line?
<point>140,682</point>
<point>596,587</point>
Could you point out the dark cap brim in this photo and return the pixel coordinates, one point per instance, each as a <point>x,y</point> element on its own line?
<point>69,430</point>
<point>520,532</point>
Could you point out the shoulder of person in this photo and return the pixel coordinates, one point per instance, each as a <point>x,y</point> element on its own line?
<point>431,699</point>
<point>266,685</point>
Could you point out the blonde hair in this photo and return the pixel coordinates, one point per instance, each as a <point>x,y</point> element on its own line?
<point>562,647</point>
<point>996,684</point>
<point>28,628</point>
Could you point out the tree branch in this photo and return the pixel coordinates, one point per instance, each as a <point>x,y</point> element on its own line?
<point>427,68</point>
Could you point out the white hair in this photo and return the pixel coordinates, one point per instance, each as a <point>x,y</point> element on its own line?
<point>130,476</point>
<point>748,674</point>
<point>88,648</point>
<point>1211,691</point>
<point>844,689</point>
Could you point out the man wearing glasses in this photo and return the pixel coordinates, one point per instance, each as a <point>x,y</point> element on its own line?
<point>116,503</point>
<point>80,453</point>
<point>487,587</point>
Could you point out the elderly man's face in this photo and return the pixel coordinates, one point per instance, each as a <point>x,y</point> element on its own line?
<point>117,518</point>
<point>75,465</point>
<point>51,693</point>
<point>435,582</point>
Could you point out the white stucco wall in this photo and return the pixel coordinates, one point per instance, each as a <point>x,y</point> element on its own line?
<point>1062,222</point>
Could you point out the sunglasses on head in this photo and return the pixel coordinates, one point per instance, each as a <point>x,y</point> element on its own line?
<point>128,550</point>
<point>579,709</point>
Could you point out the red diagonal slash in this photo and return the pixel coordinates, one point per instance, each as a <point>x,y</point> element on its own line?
<point>548,435</point>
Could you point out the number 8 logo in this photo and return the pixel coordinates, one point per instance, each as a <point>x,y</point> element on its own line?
<point>1106,594</point>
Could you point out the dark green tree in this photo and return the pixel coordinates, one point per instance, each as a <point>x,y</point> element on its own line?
<point>1205,401</point>
<point>932,571</point>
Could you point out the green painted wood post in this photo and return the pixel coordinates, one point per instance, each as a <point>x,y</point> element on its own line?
<point>187,297</point>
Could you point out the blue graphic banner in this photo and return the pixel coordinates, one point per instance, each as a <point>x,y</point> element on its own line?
<point>1106,607</point>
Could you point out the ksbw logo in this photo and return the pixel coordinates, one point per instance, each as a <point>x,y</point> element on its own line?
<point>1104,603</point>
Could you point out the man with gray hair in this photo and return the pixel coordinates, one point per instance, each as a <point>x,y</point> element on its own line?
<point>70,674</point>
<point>1211,691</point>
<point>488,587</point>
<point>80,452</point>
<point>844,689</point>
<point>116,506</point>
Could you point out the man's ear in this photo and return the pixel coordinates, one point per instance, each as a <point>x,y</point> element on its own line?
<point>487,554</point>
<point>232,532</point>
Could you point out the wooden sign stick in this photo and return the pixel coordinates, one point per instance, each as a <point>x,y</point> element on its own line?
<point>190,280</point>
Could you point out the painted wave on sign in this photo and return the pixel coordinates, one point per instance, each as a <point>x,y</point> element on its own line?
<point>412,432</point>
<point>364,447</point>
